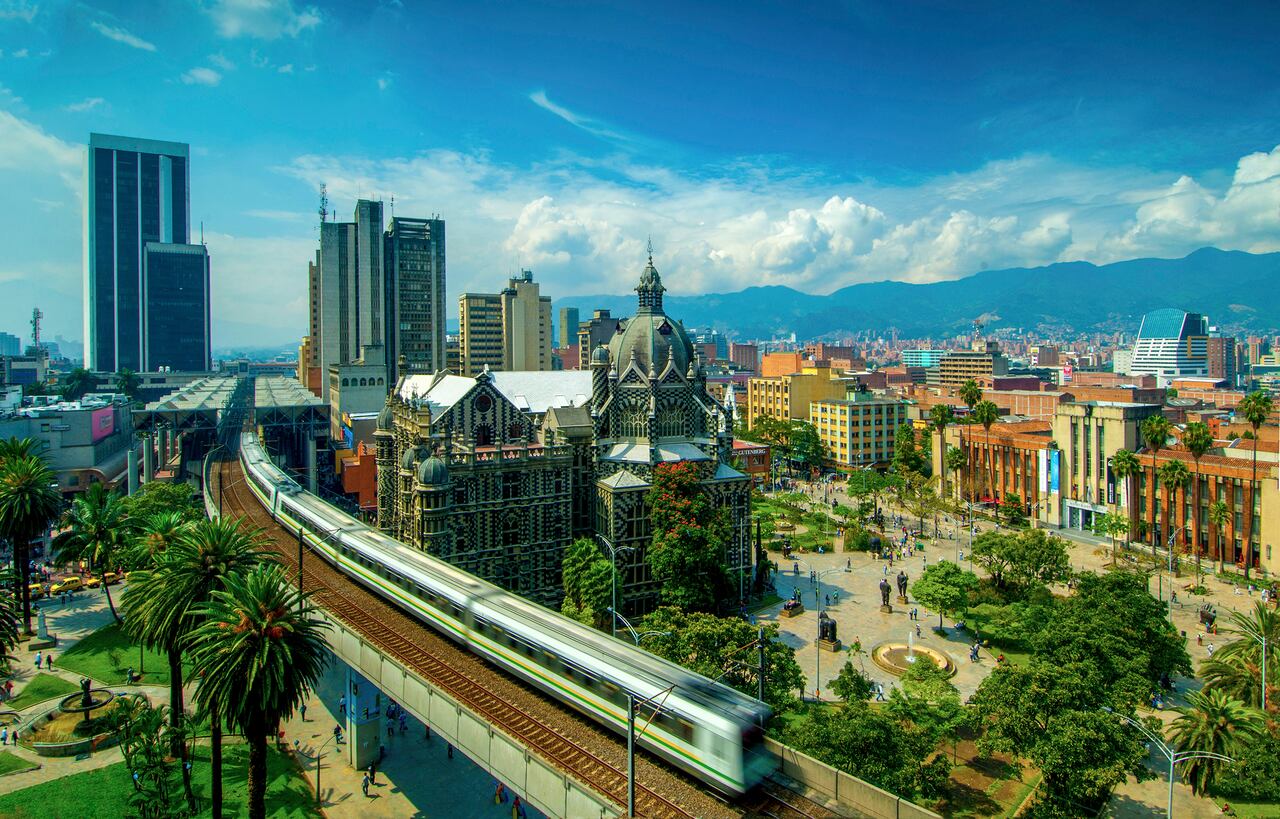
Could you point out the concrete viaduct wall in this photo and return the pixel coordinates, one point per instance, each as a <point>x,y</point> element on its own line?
<point>847,790</point>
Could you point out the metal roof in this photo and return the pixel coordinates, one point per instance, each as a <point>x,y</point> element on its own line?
<point>277,391</point>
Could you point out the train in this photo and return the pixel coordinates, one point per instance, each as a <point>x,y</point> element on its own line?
<point>707,729</point>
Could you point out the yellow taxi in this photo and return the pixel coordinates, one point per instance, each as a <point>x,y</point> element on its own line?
<point>94,582</point>
<point>67,584</point>
<point>37,591</point>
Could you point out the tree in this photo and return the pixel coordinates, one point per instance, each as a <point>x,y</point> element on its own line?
<point>29,503</point>
<point>127,382</point>
<point>955,459</point>
<point>588,583</point>
<point>987,413</point>
<point>993,551</point>
<point>1027,559</point>
<point>1126,467</point>
<point>774,432</point>
<point>1256,408</point>
<point>725,648</point>
<point>806,447</point>
<point>944,586</point>
<point>1155,432</point>
<point>1219,514</point>
<point>928,700</point>
<point>1176,476</point>
<point>146,732</point>
<point>1198,440</point>
<point>1114,526</point>
<point>970,394</point>
<point>162,496</point>
<point>97,532</point>
<point>1213,722</point>
<point>260,649</point>
<point>164,606</point>
<point>1011,504</point>
<point>1236,668</point>
<point>906,454</point>
<point>851,685</point>
<point>940,415</point>
<point>152,536</point>
<point>9,610</point>
<point>690,537</point>
<point>77,383</point>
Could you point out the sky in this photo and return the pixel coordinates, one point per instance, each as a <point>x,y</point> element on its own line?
<point>813,145</point>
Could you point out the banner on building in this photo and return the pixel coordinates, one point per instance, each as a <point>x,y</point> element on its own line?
<point>1111,484</point>
<point>1043,473</point>
<point>103,423</point>
<point>1053,470</point>
<point>1067,372</point>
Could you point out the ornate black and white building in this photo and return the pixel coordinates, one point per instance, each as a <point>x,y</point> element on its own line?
<point>498,473</point>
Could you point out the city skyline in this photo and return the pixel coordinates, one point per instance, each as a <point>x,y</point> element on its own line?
<point>816,158</point>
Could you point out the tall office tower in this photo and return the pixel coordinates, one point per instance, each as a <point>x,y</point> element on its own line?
<point>1171,343</point>
<point>350,288</point>
<point>598,330</point>
<point>1221,353</point>
<point>414,268</point>
<point>510,330</point>
<point>175,307</point>
<point>10,344</point>
<point>526,325</point>
<point>568,327</point>
<point>138,193</point>
<point>480,336</point>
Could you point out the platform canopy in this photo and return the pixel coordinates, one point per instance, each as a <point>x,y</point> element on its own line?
<point>194,406</point>
<point>283,402</point>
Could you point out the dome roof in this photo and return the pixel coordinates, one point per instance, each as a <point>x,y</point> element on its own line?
<point>600,355</point>
<point>433,472</point>
<point>413,455</point>
<point>385,418</point>
<point>650,335</point>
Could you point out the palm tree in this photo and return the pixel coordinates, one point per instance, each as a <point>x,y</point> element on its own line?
<point>153,535</point>
<point>1256,408</point>
<point>939,416</point>
<point>1155,432</point>
<point>1175,475</point>
<point>29,504</point>
<point>970,394</point>
<point>1198,440</point>
<point>1126,467</point>
<point>8,615</point>
<point>1219,514</point>
<point>1236,668</point>
<point>98,532</point>
<point>11,448</point>
<point>127,382</point>
<point>1214,722</point>
<point>987,413</point>
<point>955,460</point>
<point>259,651</point>
<point>77,383</point>
<point>164,603</point>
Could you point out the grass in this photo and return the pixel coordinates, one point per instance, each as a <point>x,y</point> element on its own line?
<point>12,763</point>
<point>107,654</point>
<point>1250,810</point>
<point>984,787</point>
<point>105,793</point>
<point>42,687</point>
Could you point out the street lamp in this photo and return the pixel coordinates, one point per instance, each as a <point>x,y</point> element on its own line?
<point>1170,754</point>
<point>320,756</point>
<point>816,579</point>
<point>613,577</point>
<point>1169,548</point>
<point>637,635</point>
<point>302,536</point>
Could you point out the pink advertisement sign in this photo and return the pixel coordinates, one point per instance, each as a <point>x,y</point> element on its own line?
<point>104,423</point>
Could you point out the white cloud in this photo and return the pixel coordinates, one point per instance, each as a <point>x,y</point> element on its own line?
<point>384,82</point>
<point>120,35</point>
<point>24,10</point>
<point>591,126</point>
<point>84,105</point>
<point>262,19</point>
<point>201,76</point>
<point>21,54</point>
<point>287,68</point>
<point>220,61</point>
<point>7,96</point>
<point>260,284</point>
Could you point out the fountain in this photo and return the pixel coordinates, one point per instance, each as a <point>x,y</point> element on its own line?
<point>896,658</point>
<point>71,729</point>
<point>911,646</point>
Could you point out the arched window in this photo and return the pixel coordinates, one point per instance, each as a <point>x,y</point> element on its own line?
<point>484,435</point>
<point>364,382</point>
<point>379,382</point>
<point>344,382</point>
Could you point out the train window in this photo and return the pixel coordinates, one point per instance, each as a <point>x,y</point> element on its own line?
<point>550,659</point>
<point>457,610</point>
<point>684,729</point>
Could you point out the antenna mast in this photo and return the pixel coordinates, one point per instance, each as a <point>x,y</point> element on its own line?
<point>324,202</point>
<point>36,315</point>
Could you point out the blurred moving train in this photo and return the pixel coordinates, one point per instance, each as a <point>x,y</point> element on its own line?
<point>701,726</point>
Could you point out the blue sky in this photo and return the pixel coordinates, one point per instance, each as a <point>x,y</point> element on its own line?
<point>809,144</point>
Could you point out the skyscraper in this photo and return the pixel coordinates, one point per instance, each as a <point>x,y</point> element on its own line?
<point>10,344</point>
<point>510,330</point>
<point>1171,343</point>
<point>413,250</point>
<point>348,288</point>
<point>480,336</point>
<point>175,307</point>
<point>568,327</point>
<point>138,193</point>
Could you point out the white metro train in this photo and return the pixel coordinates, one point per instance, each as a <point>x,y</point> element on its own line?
<point>703,727</point>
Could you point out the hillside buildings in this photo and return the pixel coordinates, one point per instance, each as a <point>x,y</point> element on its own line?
<point>146,286</point>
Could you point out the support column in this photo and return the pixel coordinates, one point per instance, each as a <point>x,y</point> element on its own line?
<point>364,720</point>
<point>310,456</point>
<point>133,469</point>
<point>148,459</point>
<point>164,448</point>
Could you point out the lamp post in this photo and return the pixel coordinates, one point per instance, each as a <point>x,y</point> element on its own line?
<point>636,635</point>
<point>301,540</point>
<point>613,578</point>
<point>1169,548</point>
<point>817,581</point>
<point>1174,756</point>
<point>319,756</point>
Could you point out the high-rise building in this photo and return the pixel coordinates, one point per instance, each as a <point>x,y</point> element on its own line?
<point>1171,344</point>
<point>10,344</point>
<point>510,330</point>
<point>414,253</point>
<point>922,358</point>
<point>958,366</point>
<point>746,356</point>
<point>591,334</point>
<point>175,307</point>
<point>1222,353</point>
<point>138,193</point>
<point>568,327</point>
<point>348,289</point>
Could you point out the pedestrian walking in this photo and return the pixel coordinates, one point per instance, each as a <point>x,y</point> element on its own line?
<point>38,658</point>
<point>364,784</point>
<point>48,662</point>
<point>391,729</point>
<point>517,809</point>
<point>373,774</point>
<point>342,705</point>
<point>500,794</point>
<point>4,736</point>
<point>404,723</point>
<point>449,746</point>
<point>337,733</point>
<point>426,729</point>
<point>302,711</point>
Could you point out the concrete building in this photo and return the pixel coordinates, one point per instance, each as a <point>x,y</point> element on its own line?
<point>1223,354</point>
<point>958,366</point>
<point>1171,343</point>
<point>176,321</point>
<point>924,359</point>
<point>591,334</point>
<point>357,387</point>
<point>510,330</point>
<point>568,336</point>
<point>745,356</point>
<point>788,397</point>
<point>347,289</point>
<point>773,365</point>
<point>414,265</point>
<point>1044,355</point>
<point>23,369</point>
<point>10,344</point>
<point>137,194</point>
<point>858,432</point>
<point>84,442</point>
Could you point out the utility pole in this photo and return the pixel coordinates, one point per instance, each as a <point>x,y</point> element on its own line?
<point>760,673</point>
<point>301,537</point>
<point>631,754</point>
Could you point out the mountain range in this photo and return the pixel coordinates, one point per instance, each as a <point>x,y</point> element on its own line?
<point>1238,291</point>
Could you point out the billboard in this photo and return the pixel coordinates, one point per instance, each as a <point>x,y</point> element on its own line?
<point>1053,470</point>
<point>103,423</point>
<point>1111,484</point>
<point>1067,373</point>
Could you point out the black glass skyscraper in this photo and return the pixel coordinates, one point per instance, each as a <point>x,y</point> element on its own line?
<point>138,193</point>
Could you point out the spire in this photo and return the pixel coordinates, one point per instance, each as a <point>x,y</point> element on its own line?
<point>650,289</point>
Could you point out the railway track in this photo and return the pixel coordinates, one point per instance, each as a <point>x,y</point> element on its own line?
<point>773,801</point>
<point>419,648</point>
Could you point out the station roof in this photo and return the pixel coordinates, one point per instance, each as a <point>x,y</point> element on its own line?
<point>277,391</point>
<point>205,394</point>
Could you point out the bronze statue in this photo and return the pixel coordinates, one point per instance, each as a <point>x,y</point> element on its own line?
<point>885,589</point>
<point>902,584</point>
<point>86,699</point>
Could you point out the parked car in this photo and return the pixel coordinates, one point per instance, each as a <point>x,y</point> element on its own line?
<point>94,582</point>
<point>37,591</point>
<point>67,584</point>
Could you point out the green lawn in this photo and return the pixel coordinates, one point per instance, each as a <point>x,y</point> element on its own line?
<point>1251,810</point>
<point>10,762</point>
<point>107,654</point>
<point>42,687</point>
<point>105,793</point>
